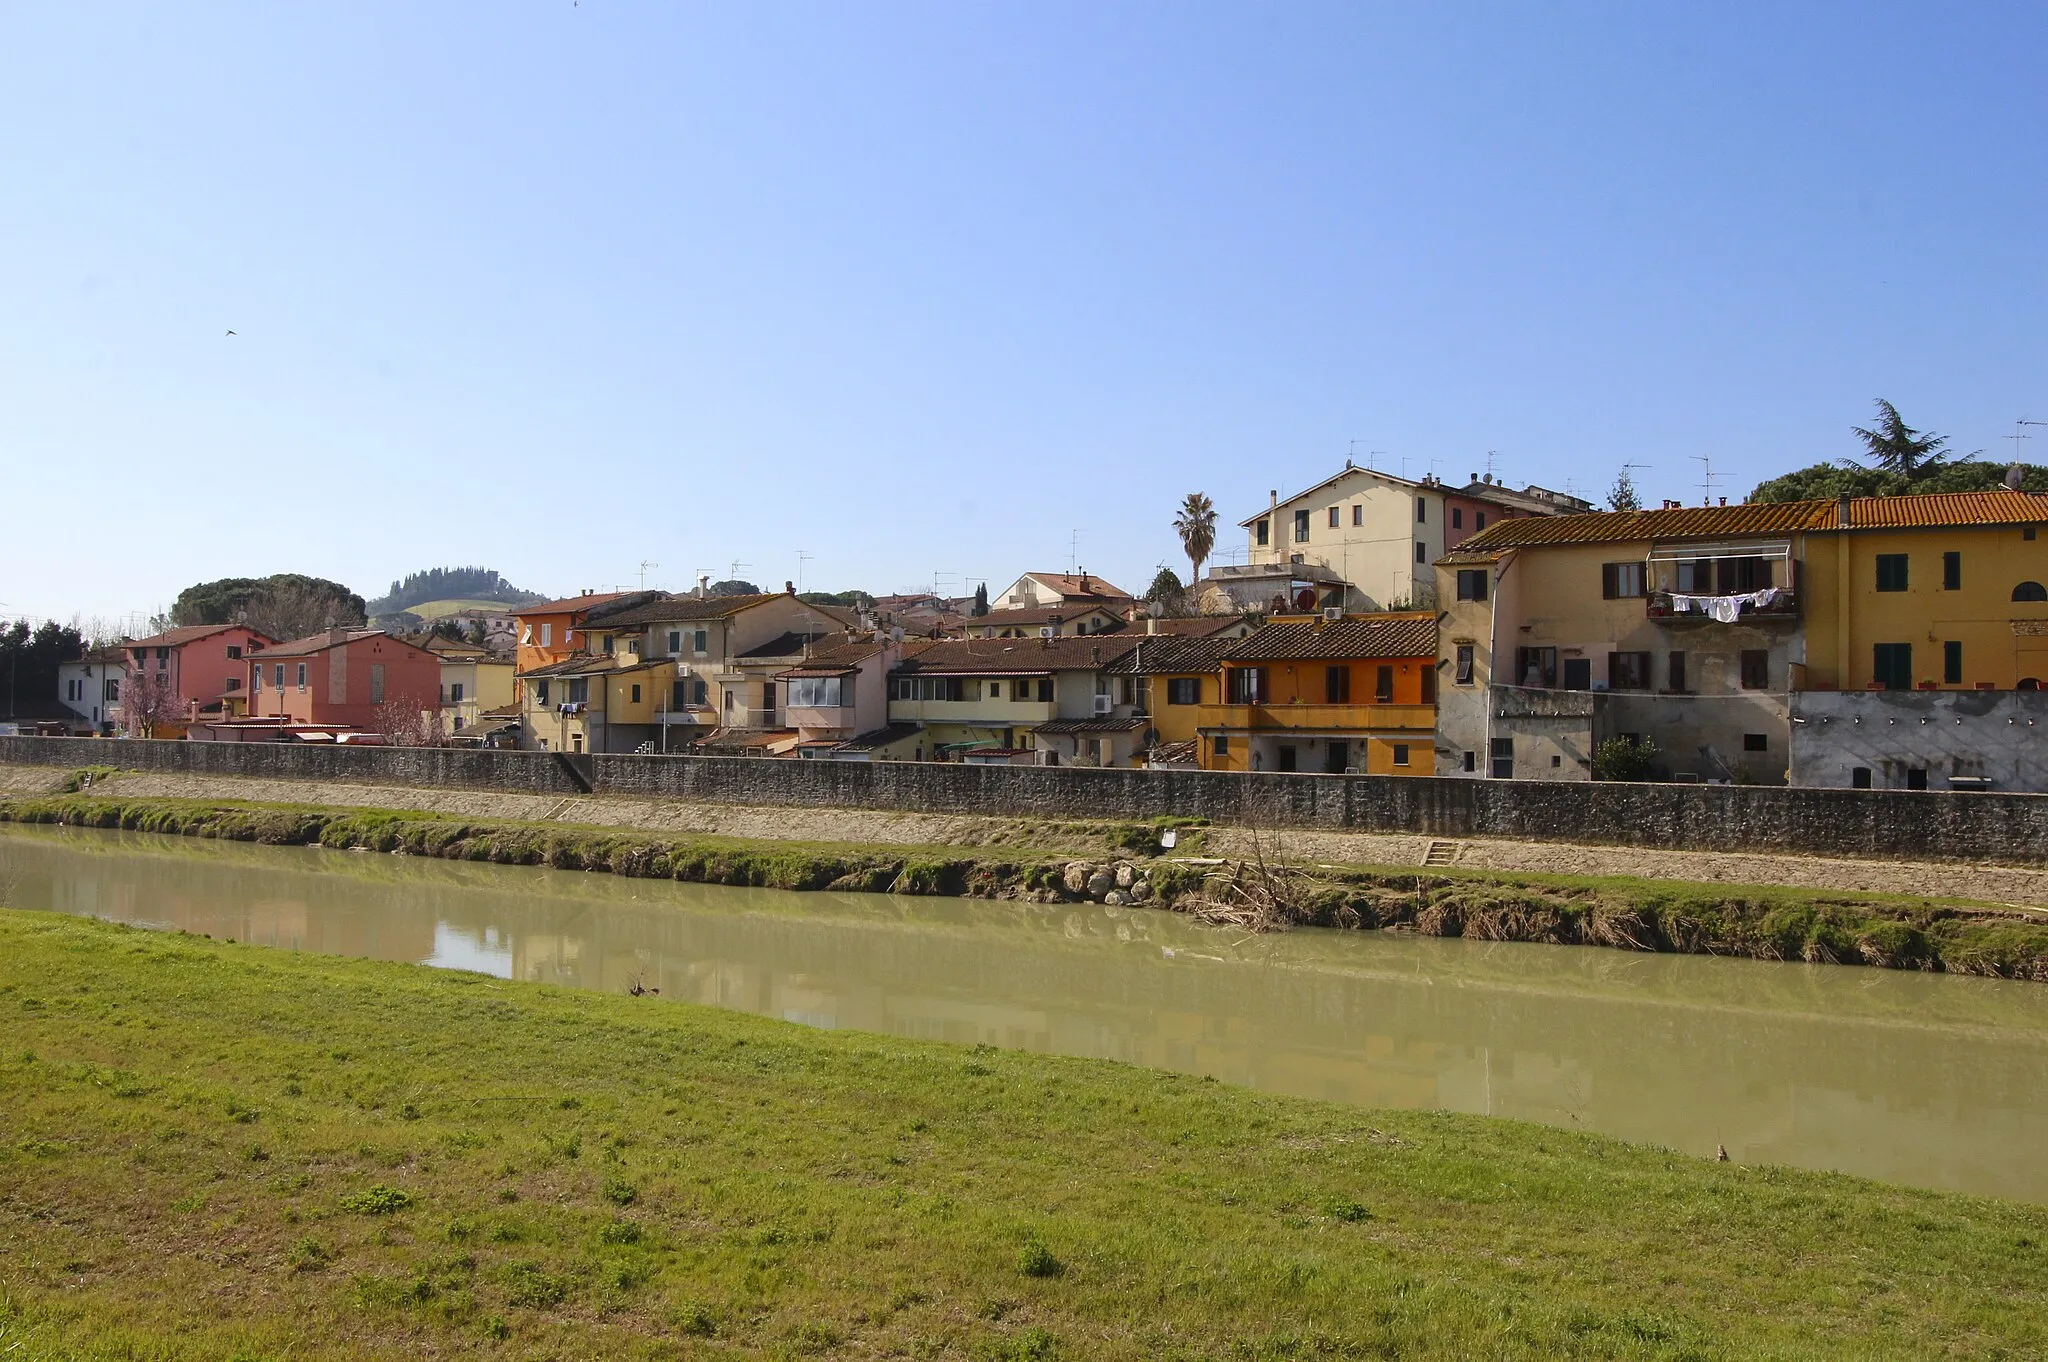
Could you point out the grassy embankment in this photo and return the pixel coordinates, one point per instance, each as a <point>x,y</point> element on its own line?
<point>219,1151</point>
<point>1761,922</point>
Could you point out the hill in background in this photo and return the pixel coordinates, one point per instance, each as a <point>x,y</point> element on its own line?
<point>456,588</point>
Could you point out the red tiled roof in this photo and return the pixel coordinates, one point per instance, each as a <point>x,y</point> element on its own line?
<point>682,609</point>
<point>319,643</point>
<point>1018,656</point>
<point>189,633</point>
<point>1930,510</point>
<point>1076,584</point>
<point>1368,636</point>
<point>567,605</point>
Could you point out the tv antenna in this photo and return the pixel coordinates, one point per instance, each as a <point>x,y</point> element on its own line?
<point>1491,456</point>
<point>1708,478</point>
<point>644,565</point>
<point>1373,457</point>
<point>736,566</point>
<point>1074,553</point>
<point>1351,455</point>
<point>801,559</point>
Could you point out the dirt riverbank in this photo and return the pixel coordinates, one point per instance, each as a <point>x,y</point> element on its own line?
<point>1982,883</point>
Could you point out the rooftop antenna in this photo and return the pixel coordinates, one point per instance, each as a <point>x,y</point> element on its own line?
<point>1404,465</point>
<point>1073,553</point>
<point>1373,457</point>
<point>1708,479</point>
<point>1351,455</point>
<point>801,559</point>
<point>644,565</point>
<point>1491,455</point>
<point>1433,462</point>
<point>736,566</point>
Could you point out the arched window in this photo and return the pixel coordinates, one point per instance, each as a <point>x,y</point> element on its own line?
<point>2030,591</point>
<point>2028,683</point>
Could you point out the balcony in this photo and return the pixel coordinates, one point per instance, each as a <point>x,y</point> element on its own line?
<point>1317,718</point>
<point>1782,609</point>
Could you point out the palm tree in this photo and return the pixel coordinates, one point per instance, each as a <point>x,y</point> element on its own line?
<point>1898,448</point>
<point>1196,526</point>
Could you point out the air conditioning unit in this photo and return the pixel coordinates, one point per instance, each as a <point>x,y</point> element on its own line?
<point>1047,631</point>
<point>1333,613</point>
<point>682,669</point>
<point>1105,704</point>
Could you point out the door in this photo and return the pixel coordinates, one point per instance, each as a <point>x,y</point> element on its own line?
<point>1503,758</point>
<point>1536,668</point>
<point>1337,758</point>
<point>1891,665</point>
<point>1578,673</point>
<point>1287,758</point>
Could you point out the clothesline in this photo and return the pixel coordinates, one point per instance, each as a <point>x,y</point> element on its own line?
<point>1723,609</point>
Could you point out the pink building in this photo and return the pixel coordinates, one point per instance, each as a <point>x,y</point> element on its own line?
<point>202,667</point>
<point>342,678</point>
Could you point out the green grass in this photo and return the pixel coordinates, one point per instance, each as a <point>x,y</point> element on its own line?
<point>1762,922</point>
<point>433,610</point>
<point>218,1151</point>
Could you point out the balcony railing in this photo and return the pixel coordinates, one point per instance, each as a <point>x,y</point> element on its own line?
<point>1783,606</point>
<point>1387,718</point>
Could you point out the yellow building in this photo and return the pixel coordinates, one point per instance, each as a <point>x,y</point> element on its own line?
<point>1695,628</point>
<point>1339,696</point>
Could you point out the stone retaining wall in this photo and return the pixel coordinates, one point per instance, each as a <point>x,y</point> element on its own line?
<point>1886,824</point>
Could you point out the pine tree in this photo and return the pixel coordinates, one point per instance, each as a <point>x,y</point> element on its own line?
<point>1623,496</point>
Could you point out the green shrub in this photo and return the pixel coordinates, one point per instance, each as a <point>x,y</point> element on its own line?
<point>377,1200</point>
<point>1036,1260</point>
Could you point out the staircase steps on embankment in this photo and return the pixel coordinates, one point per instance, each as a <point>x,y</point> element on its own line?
<point>1440,853</point>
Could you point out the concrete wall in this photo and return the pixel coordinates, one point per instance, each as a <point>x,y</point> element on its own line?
<point>1877,823</point>
<point>2000,736</point>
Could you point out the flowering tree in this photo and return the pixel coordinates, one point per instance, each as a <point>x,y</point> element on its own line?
<point>149,702</point>
<point>407,721</point>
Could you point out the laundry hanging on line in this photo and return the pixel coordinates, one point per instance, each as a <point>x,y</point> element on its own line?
<point>1724,609</point>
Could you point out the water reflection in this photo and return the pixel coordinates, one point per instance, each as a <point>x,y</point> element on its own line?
<point>1916,1078</point>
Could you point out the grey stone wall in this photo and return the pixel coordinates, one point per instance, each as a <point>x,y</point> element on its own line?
<point>1876,823</point>
<point>2000,737</point>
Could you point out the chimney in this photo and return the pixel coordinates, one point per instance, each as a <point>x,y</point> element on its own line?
<point>1842,512</point>
<point>703,585</point>
<point>1086,588</point>
<point>1095,657</point>
<point>1724,501</point>
<point>1273,499</point>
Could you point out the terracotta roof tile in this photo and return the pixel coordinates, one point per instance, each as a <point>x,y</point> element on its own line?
<point>683,609</point>
<point>1934,510</point>
<point>188,633</point>
<point>567,605</point>
<point>1355,637</point>
<point>1018,656</point>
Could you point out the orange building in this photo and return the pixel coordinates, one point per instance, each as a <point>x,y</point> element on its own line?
<point>1332,695</point>
<point>552,631</point>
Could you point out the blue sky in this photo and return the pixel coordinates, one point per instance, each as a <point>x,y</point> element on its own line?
<point>920,290</point>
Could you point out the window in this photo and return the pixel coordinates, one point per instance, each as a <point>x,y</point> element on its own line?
<point>455,692</point>
<point>1952,572</point>
<point>162,656</point>
<point>1916,777</point>
<point>1288,758</point>
<point>577,691</point>
<point>675,642</point>
<point>1578,673</point>
<point>1358,514</point>
<point>1261,532</point>
<point>1479,520</point>
<point>1741,574</point>
<point>1471,761</point>
<point>1421,511</point>
<point>925,688</point>
<point>1619,581</point>
<point>547,635</point>
<point>1301,527</point>
<point>823,692</point>
<point>1464,672</point>
<point>1336,516</point>
<point>1400,754</point>
<point>2028,534</point>
<point>1756,669</point>
<point>1383,685</point>
<point>1503,750</point>
<point>1245,685</point>
<point>1859,778</point>
<point>2030,591</point>
<point>1891,665</point>
<point>606,647</point>
<point>1891,572</point>
<point>700,693</point>
<point>1045,690</point>
<point>256,677</point>
<point>1457,517</point>
<point>1628,671</point>
<point>679,695</point>
<point>1421,552</point>
<point>540,692</point>
<point>636,693</point>
<point>700,642</point>
<point>1675,672</point>
<point>1337,685</point>
<point>1756,742</point>
<point>234,651</point>
<point>1221,746</point>
<point>1696,577</point>
<point>1472,584</point>
<point>279,676</point>
<point>1183,690</point>
<point>376,681</point>
<point>1536,667</point>
<point>1952,662</point>
<point>113,694</point>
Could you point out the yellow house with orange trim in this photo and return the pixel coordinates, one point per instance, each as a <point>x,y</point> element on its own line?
<point>1336,696</point>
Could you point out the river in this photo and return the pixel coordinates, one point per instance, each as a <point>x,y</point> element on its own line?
<point>1932,1080</point>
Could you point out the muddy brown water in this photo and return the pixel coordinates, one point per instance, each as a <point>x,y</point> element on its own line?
<point>1924,1079</point>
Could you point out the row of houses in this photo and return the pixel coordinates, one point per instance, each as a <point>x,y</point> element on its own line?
<point>1377,624</point>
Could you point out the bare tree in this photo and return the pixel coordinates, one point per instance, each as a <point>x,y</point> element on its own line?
<point>148,702</point>
<point>288,611</point>
<point>407,721</point>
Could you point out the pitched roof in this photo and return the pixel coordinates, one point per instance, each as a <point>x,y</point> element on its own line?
<point>1090,725</point>
<point>1354,637</point>
<point>321,642</point>
<point>1018,656</point>
<point>1044,614</point>
<point>1166,655</point>
<point>568,604</point>
<point>1081,584</point>
<point>1348,470</point>
<point>880,737</point>
<point>836,655</point>
<point>1927,510</point>
<point>684,609</point>
<point>188,633</point>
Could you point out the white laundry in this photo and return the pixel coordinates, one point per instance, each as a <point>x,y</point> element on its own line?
<point>1723,609</point>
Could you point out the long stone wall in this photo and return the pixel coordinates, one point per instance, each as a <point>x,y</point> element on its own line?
<point>1886,824</point>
